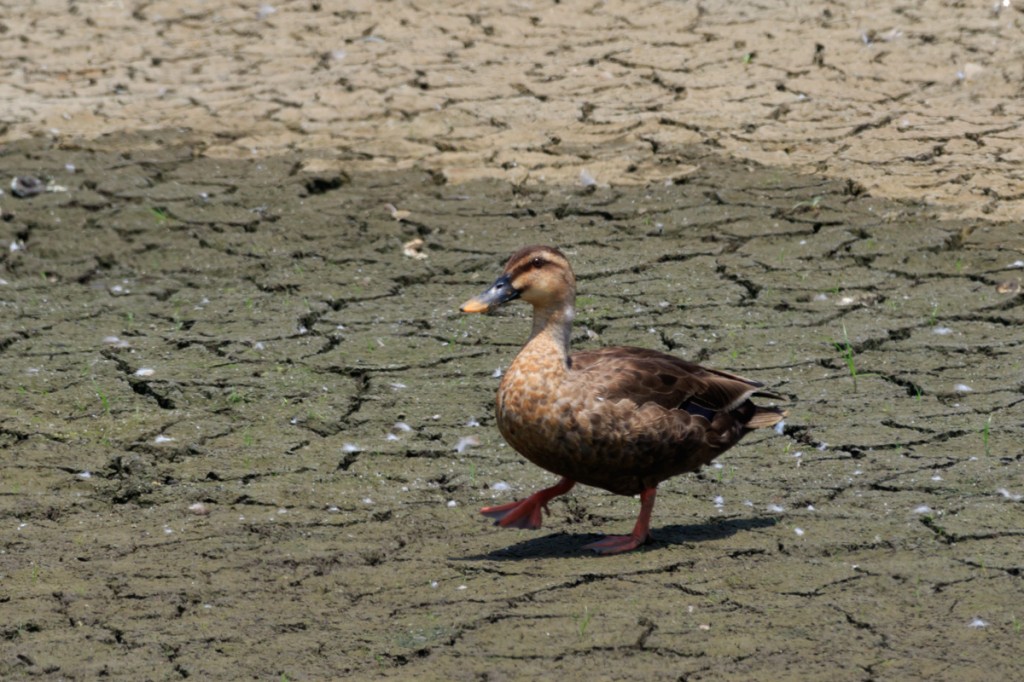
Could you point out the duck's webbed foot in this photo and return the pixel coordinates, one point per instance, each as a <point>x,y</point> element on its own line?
<point>613,544</point>
<point>527,513</point>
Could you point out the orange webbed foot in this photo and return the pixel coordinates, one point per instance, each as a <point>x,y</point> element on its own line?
<point>614,544</point>
<point>527,513</point>
<point>520,514</point>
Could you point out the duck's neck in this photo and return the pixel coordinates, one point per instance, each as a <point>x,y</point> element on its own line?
<point>552,326</point>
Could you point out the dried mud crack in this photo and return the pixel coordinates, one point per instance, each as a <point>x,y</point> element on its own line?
<point>224,458</point>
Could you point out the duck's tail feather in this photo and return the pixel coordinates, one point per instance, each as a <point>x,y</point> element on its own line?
<point>765,417</point>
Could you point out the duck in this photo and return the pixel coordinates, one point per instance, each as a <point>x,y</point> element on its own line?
<point>619,418</point>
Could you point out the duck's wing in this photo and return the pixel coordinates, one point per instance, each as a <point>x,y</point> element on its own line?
<point>649,376</point>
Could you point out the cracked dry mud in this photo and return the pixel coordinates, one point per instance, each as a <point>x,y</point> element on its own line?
<point>245,436</point>
<point>208,364</point>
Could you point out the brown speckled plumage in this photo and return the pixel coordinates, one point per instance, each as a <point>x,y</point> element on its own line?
<point>619,418</point>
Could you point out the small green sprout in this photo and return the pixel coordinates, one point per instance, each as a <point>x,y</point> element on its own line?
<point>582,621</point>
<point>845,349</point>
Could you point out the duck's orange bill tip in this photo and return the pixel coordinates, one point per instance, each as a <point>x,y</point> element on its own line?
<point>474,305</point>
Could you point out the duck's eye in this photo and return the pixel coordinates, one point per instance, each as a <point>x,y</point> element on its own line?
<point>538,262</point>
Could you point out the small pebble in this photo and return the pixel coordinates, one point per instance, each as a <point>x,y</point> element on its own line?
<point>414,249</point>
<point>25,186</point>
<point>116,342</point>
<point>400,215</point>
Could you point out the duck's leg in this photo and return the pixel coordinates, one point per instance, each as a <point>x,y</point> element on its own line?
<point>526,513</point>
<point>613,544</point>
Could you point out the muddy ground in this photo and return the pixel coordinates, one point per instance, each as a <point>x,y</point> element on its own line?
<point>244,435</point>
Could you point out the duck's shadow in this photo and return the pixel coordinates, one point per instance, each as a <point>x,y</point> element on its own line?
<point>569,544</point>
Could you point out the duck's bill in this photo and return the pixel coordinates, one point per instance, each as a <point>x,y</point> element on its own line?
<point>500,292</point>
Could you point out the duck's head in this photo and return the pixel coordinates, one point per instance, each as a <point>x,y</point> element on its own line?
<point>540,275</point>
